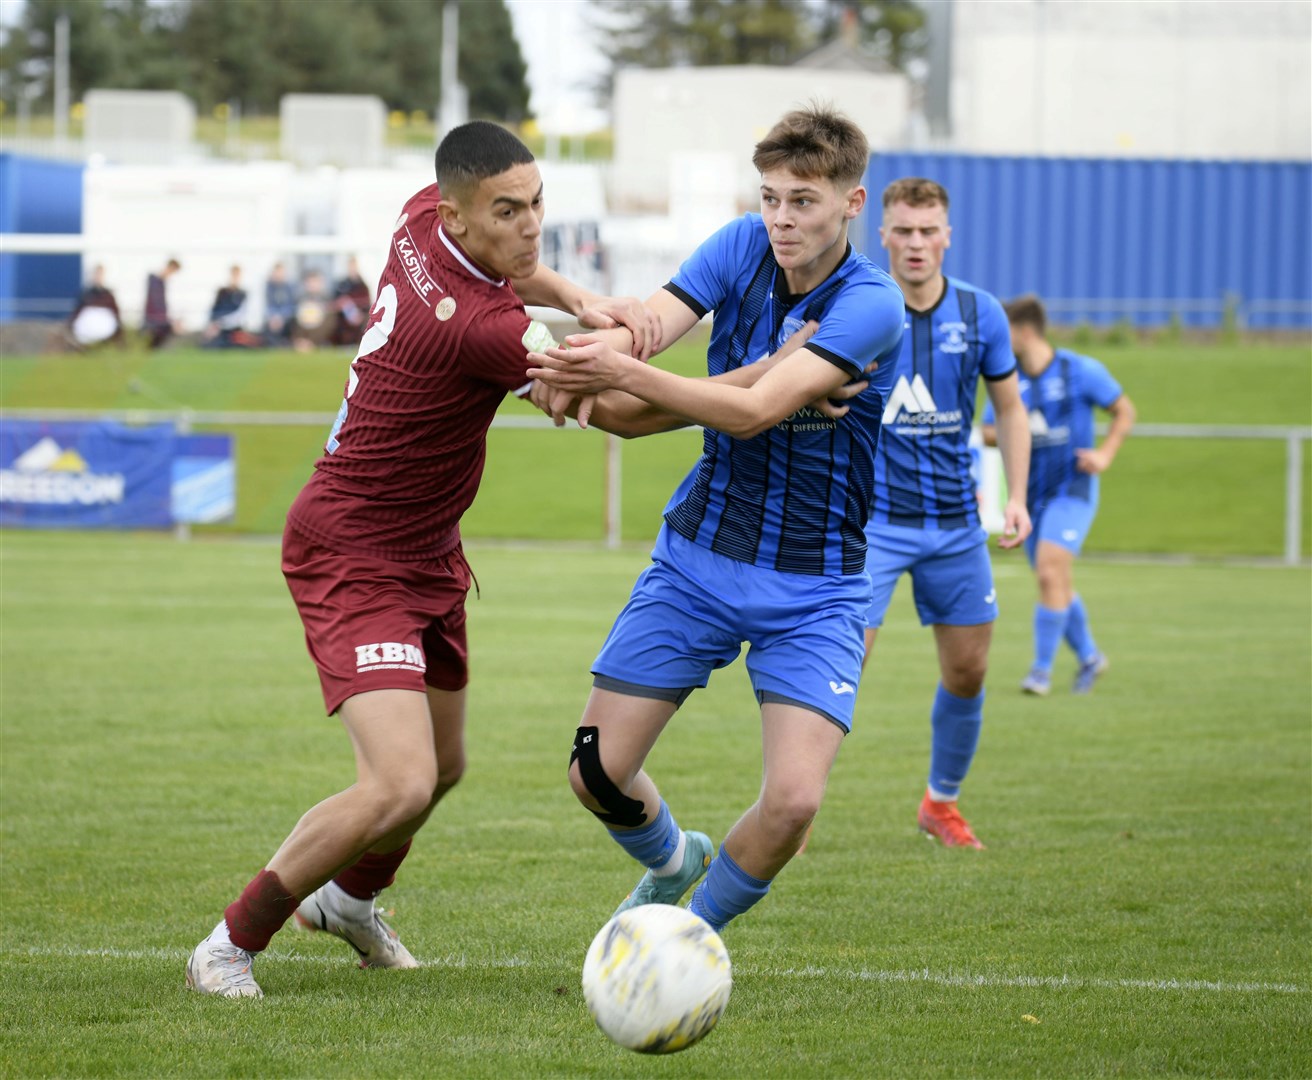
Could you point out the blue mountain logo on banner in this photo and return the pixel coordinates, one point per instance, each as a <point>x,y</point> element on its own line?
<point>49,474</point>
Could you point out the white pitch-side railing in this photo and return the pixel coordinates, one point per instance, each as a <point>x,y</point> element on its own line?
<point>1292,437</point>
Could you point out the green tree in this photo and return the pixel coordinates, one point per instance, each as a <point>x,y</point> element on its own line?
<point>703,33</point>
<point>700,33</point>
<point>122,44</point>
<point>255,51</point>
<point>893,30</point>
<point>492,67</point>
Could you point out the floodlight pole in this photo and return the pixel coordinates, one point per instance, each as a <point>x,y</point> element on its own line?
<point>61,80</point>
<point>453,109</point>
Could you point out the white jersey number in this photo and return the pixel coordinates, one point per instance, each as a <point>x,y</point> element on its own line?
<point>374,339</point>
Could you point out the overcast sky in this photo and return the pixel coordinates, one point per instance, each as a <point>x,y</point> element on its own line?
<point>562,57</point>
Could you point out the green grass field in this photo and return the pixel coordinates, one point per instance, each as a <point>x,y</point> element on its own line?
<point>1142,909</point>
<point>1203,498</point>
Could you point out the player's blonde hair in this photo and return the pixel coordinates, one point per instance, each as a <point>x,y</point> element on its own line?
<point>816,142</point>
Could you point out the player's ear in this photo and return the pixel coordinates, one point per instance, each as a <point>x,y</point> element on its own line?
<point>947,236</point>
<point>856,201</point>
<point>451,216</point>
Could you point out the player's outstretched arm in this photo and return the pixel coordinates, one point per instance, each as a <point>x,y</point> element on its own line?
<point>630,417</point>
<point>546,288</point>
<point>1012,434</point>
<point>741,412</point>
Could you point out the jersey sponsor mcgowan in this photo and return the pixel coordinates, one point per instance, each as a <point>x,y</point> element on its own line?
<point>444,345</point>
<point>794,498</point>
<point>911,407</point>
<point>922,473</point>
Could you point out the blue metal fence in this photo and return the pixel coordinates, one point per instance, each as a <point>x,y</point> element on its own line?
<point>1106,240</point>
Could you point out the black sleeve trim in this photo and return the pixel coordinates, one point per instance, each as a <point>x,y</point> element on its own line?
<point>1005,375</point>
<point>693,305</point>
<point>838,361</point>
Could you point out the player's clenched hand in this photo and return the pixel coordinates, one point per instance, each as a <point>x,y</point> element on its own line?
<point>607,312</point>
<point>1091,461</point>
<point>1016,524</point>
<point>581,366</point>
<point>834,404</point>
<point>556,403</point>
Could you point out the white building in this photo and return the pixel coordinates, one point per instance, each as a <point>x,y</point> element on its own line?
<point>1148,78</point>
<point>690,131</point>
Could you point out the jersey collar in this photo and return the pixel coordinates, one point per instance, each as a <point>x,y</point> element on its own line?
<point>947,284</point>
<point>465,260</point>
<point>793,299</point>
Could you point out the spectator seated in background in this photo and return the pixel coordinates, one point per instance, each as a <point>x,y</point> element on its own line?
<point>95,318</point>
<point>351,302</point>
<point>314,314</point>
<point>225,330</point>
<point>279,307</point>
<point>156,325</point>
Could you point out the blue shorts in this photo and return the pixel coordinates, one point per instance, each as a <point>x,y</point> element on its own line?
<point>691,611</point>
<point>1065,521</point>
<point>951,574</point>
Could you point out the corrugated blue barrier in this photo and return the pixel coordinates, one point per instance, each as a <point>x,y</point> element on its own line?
<point>1110,240</point>
<point>39,196</point>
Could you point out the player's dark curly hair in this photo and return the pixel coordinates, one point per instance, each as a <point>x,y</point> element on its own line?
<point>472,152</point>
<point>816,142</point>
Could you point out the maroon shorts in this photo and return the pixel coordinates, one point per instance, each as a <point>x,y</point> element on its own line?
<point>375,624</point>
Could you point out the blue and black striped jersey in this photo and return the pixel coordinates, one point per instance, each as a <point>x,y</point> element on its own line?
<point>922,472</point>
<point>795,498</point>
<point>1060,401</point>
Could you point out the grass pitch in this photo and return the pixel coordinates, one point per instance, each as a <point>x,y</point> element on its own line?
<point>1141,910</point>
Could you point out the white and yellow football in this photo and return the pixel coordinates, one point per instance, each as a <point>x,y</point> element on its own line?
<point>656,978</point>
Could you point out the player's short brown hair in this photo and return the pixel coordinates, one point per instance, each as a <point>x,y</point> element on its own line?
<point>1027,310</point>
<point>472,152</point>
<point>816,142</point>
<point>915,191</point>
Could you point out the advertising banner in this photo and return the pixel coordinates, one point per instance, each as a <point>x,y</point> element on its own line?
<point>107,475</point>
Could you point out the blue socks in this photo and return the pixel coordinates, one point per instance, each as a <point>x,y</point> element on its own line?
<point>1078,635</point>
<point>652,844</point>
<point>1048,628</point>
<point>956,722</point>
<point>726,891</point>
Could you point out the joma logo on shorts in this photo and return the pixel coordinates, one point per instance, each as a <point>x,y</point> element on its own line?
<point>388,654</point>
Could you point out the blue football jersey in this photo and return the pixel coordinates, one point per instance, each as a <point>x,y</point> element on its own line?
<point>922,473</point>
<point>795,498</point>
<point>1060,402</point>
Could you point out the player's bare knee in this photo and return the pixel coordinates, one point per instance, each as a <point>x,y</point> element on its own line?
<point>450,771</point>
<point>788,811</point>
<point>965,679</point>
<point>1048,577</point>
<point>402,796</point>
<point>579,788</point>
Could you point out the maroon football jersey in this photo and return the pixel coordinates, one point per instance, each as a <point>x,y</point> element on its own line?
<point>445,342</point>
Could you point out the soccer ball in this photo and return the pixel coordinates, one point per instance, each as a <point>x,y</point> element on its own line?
<point>656,978</point>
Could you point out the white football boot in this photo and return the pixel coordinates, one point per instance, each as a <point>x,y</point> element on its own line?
<point>375,941</point>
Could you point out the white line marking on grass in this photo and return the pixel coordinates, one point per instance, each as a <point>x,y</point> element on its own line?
<point>1074,982</point>
<point>1051,982</point>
